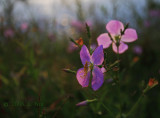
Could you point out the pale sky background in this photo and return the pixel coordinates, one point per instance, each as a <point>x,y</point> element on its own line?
<point>56,8</point>
<point>66,9</point>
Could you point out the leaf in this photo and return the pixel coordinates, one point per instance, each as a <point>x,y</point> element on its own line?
<point>4,80</point>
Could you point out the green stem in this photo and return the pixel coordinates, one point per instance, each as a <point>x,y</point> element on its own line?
<point>90,45</point>
<point>108,109</point>
<point>135,106</point>
<point>69,71</point>
<point>89,36</point>
<point>118,79</point>
<point>118,66</point>
<point>97,99</point>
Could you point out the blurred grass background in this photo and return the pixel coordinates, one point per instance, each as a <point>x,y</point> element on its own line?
<point>35,48</point>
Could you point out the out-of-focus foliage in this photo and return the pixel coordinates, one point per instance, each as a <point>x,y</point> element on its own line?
<point>33,56</point>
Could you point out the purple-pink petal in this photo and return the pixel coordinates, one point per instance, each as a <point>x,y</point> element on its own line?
<point>103,70</point>
<point>97,57</point>
<point>83,103</point>
<point>84,55</point>
<point>122,48</point>
<point>114,27</point>
<point>130,35</point>
<point>83,77</point>
<point>97,79</point>
<point>104,40</point>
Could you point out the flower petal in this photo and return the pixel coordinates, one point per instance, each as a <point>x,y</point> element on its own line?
<point>83,77</point>
<point>84,55</point>
<point>97,57</point>
<point>104,40</point>
<point>130,35</point>
<point>103,70</point>
<point>114,27</point>
<point>97,79</point>
<point>122,47</point>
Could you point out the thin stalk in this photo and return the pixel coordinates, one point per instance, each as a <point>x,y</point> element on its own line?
<point>118,78</point>
<point>108,109</point>
<point>89,36</point>
<point>135,105</point>
<point>118,66</point>
<point>90,45</point>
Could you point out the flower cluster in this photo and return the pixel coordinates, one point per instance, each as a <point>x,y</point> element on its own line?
<point>117,35</point>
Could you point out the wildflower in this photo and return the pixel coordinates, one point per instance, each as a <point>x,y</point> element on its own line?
<point>152,82</point>
<point>24,26</point>
<point>77,24</point>
<point>72,47</point>
<point>137,50</point>
<point>80,25</point>
<point>116,37</point>
<point>91,63</point>
<point>8,33</point>
<point>154,13</point>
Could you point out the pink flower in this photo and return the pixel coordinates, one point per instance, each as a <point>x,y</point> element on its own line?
<point>154,13</point>
<point>24,26</point>
<point>137,50</point>
<point>8,33</point>
<point>80,25</point>
<point>77,24</point>
<point>91,63</point>
<point>72,47</point>
<point>115,29</point>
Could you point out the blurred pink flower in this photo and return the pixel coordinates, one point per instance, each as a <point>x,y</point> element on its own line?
<point>155,13</point>
<point>77,24</point>
<point>146,23</point>
<point>8,33</point>
<point>90,24</point>
<point>80,25</point>
<point>115,27</point>
<point>71,47</point>
<point>137,50</point>
<point>24,26</point>
<point>93,46</point>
